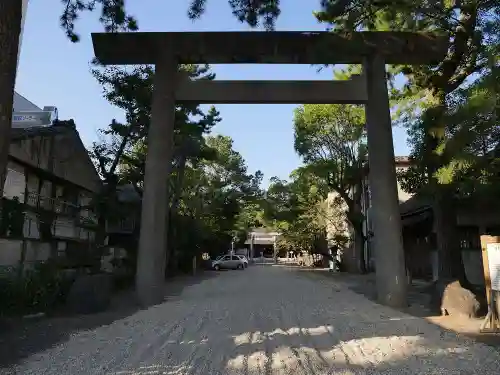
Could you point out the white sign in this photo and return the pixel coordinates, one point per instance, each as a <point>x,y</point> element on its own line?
<point>493,250</point>
<point>31,118</point>
<point>25,118</point>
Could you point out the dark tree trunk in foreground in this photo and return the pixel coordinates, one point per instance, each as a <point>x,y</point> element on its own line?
<point>10,28</point>
<point>450,261</point>
<point>359,247</point>
<point>356,219</point>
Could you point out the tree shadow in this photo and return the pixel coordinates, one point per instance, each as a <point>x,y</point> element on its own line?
<point>176,285</point>
<point>389,346</point>
<point>419,304</point>
<point>419,296</point>
<point>20,338</point>
<point>220,328</point>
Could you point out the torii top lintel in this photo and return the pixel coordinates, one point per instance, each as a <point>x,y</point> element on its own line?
<point>275,47</point>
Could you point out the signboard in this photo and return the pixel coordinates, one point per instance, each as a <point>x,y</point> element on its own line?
<point>490,248</point>
<point>264,238</point>
<point>493,250</point>
<point>23,119</point>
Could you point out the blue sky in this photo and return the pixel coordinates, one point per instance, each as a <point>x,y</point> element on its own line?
<point>54,71</point>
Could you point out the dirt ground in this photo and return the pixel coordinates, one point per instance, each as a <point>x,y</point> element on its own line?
<point>418,300</point>
<point>267,319</point>
<point>21,338</point>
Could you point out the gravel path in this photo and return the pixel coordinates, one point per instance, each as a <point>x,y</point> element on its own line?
<point>264,320</point>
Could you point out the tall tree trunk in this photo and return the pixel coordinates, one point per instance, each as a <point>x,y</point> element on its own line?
<point>450,262</point>
<point>359,246</point>
<point>109,191</point>
<point>105,196</point>
<point>10,28</point>
<point>356,219</point>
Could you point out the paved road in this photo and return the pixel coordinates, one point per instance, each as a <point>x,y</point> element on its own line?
<point>264,320</point>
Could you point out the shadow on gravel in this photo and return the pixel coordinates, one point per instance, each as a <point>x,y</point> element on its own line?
<point>176,285</point>
<point>279,342</point>
<point>418,299</point>
<point>280,324</point>
<point>22,338</point>
<point>337,333</point>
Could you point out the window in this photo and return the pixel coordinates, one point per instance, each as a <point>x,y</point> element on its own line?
<point>227,257</point>
<point>14,185</point>
<point>234,257</point>
<point>61,248</point>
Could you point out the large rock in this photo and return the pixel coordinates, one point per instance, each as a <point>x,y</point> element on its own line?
<point>453,299</point>
<point>90,294</point>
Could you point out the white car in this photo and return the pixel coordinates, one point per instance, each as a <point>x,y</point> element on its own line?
<point>228,262</point>
<point>244,259</point>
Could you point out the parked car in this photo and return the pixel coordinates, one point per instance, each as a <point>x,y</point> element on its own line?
<point>228,262</point>
<point>244,259</point>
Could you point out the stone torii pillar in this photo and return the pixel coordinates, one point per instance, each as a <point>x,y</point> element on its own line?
<point>150,277</point>
<point>388,241</point>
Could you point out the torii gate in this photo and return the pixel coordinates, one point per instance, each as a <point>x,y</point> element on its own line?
<point>372,49</point>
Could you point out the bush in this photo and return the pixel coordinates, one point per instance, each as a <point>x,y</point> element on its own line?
<point>90,293</point>
<point>38,290</point>
<point>124,271</point>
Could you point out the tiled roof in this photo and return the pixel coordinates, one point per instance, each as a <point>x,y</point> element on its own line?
<point>402,159</point>
<point>260,230</point>
<point>416,203</point>
<point>261,241</point>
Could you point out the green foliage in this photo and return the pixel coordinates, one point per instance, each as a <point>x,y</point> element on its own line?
<point>426,99</point>
<point>332,137</point>
<point>298,211</point>
<point>253,13</point>
<point>331,140</point>
<point>445,162</point>
<point>468,154</point>
<point>120,154</point>
<point>220,196</point>
<point>332,143</point>
<point>113,16</point>
<point>212,196</point>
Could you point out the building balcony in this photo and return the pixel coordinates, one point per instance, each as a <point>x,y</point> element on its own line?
<point>60,228</point>
<point>68,220</point>
<point>55,205</point>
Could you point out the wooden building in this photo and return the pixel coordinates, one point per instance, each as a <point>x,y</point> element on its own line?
<point>47,197</point>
